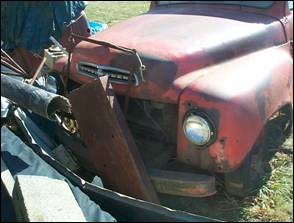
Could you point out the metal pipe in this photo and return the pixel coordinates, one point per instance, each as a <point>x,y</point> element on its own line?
<point>36,74</point>
<point>7,64</point>
<point>33,98</point>
<point>13,61</point>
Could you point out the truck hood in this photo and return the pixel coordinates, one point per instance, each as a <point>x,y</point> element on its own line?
<point>174,42</point>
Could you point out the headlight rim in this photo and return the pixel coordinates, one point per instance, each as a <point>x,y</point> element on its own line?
<point>210,123</point>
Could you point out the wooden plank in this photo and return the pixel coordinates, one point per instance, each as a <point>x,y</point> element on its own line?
<point>111,147</point>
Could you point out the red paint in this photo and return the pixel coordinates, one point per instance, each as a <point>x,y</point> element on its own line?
<point>237,90</point>
<point>209,36</point>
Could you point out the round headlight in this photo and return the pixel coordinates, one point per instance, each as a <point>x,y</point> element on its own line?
<point>197,130</point>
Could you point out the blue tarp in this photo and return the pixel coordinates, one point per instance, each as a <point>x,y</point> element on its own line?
<point>30,24</point>
<point>96,26</point>
<point>22,160</point>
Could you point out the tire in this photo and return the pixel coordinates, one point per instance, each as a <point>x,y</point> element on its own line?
<point>246,178</point>
<point>287,123</point>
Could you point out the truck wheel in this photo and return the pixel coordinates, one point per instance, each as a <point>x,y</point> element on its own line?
<point>286,115</point>
<point>246,178</point>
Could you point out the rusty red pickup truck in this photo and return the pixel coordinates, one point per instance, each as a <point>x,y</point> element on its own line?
<point>204,83</point>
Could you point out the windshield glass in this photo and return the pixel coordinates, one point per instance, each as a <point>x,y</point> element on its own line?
<point>258,4</point>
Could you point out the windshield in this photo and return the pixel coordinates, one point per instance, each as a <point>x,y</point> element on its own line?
<point>258,4</point>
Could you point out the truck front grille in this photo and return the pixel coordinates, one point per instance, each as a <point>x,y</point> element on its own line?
<point>116,75</point>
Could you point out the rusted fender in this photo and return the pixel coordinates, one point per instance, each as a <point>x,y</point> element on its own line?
<point>239,96</point>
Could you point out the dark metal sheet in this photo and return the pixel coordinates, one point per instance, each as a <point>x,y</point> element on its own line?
<point>111,148</point>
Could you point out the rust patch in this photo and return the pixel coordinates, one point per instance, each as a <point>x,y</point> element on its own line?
<point>262,97</point>
<point>220,162</point>
<point>261,103</point>
<point>197,192</point>
<point>223,141</point>
<point>111,147</point>
<point>182,183</point>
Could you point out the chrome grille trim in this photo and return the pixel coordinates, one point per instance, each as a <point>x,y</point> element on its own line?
<point>116,75</point>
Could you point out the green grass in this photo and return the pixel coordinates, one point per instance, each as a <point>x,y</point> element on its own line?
<point>111,12</point>
<point>273,202</point>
